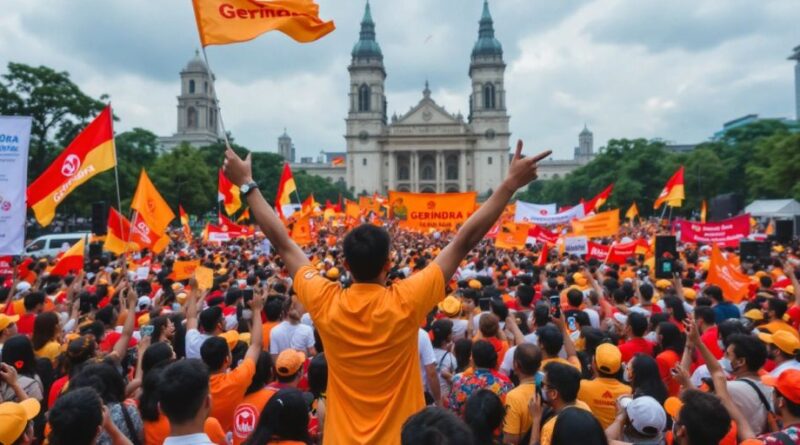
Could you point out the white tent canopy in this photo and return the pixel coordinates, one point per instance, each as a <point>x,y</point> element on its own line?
<point>774,208</point>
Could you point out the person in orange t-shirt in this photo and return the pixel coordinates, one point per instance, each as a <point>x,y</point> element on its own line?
<point>273,309</point>
<point>227,388</point>
<point>370,330</point>
<point>289,369</point>
<point>671,342</point>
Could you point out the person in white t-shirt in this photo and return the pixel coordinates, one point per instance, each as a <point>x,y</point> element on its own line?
<point>427,363</point>
<point>290,334</point>
<point>211,323</point>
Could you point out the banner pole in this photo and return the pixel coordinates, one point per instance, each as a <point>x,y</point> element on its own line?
<point>214,94</point>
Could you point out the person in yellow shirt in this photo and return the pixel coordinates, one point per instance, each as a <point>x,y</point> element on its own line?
<point>774,313</point>
<point>370,331</point>
<point>560,385</point>
<point>518,419</point>
<point>602,392</point>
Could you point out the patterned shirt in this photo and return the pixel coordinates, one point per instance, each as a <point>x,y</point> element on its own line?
<point>791,432</point>
<point>468,382</point>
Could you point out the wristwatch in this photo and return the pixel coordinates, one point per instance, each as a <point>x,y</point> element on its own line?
<point>247,188</point>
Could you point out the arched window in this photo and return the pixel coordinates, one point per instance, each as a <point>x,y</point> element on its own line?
<point>489,161</point>
<point>451,168</point>
<point>427,172</point>
<point>191,117</point>
<point>427,165</point>
<point>191,86</point>
<point>363,98</point>
<point>488,96</point>
<point>402,173</point>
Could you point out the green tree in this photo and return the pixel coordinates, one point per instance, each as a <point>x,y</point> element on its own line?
<point>182,177</point>
<point>775,169</point>
<point>59,109</point>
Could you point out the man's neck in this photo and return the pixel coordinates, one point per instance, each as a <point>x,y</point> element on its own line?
<point>526,378</point>
<point>788,419</point>
<point>194,426</point>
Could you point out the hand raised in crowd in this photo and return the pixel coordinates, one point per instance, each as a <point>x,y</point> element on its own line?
<point>8,374</point>
<point>692,331</point>
<point>239,171</point>
<point>523,170</point>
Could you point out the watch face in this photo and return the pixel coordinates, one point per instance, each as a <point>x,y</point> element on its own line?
<point>245,188</point>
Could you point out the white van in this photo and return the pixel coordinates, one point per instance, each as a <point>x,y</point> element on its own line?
<point>53,244</point>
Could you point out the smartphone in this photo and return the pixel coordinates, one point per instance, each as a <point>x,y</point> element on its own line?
<point>147,330</point>
<point>485,304</point>
<point>555,306</point>
<point>573,326</point>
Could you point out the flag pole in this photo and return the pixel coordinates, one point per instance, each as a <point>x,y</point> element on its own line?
<point>214,94</point>
<point>119,195</point>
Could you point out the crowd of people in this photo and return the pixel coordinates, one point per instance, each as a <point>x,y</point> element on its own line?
<point>381,335</point>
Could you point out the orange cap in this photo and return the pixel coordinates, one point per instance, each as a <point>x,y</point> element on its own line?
<point>788,384</point>
<point>289,362</point>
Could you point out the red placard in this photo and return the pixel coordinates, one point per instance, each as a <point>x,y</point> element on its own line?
<point>726,233</point>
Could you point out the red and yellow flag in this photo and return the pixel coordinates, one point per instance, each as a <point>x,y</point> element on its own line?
<point>151,206</point>
<point>71,261</point>
<point>337,161</point>
<point>512,236</point>
<point>220,22</point>
<point>672,193</point>
<point>703,211</point>
<point>145,237</point>
<point>90,153</point>
<point>596,202</point>
<point>286,187</point>
<point>118,236</point>
<point>725,274</point>
<point>245,216</point>
<point>632,212</point>
<point>599,225</point>
<point>228,193</point>
<point>309,205</point>
<point>187,230</point>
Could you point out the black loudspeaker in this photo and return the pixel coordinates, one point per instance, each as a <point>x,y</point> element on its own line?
<point>784,229</point>
<point>753,251</point>
<point>99,218</point>
<point>95,250</point>
<point>666,255</point>
<point>724,206</point>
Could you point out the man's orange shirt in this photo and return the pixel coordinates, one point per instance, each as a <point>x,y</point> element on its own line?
<point>156,432</point>
<point>227,391</point>
<point>245,417</point>
<point>370,335</point>
<point>266,328</point>
<point>601,395</point>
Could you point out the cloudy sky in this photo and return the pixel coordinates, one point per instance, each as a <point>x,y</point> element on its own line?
<point>671,69</point>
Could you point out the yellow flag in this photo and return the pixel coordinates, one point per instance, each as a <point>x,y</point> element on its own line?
<point>632,212</point>
<point>151,206</point>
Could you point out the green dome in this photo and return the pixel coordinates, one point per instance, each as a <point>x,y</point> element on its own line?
<point>367,46</point>
<point>487,44</point>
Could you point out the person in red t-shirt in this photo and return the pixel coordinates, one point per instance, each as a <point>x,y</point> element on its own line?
<point>635,328</point>
<point>706,323</point>
<point>34,304</point>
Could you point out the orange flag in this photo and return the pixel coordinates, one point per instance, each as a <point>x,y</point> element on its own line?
<point>149,203</point>
<point>228,193</point>
<point>512,236</point>
<point>337,161</point>
<point>118,236</point>
<point>90,153</point>
<point>599,225</point>
<point>144,236</point>
<point>599,200</point>
<point>187,231</point>
<point>672,193</point>
<point>183,270</point>
<point>286,187</point>
<point>309,205</point>
<point>632,212</point>
<point>723,273</point>
<point>71,261</point>
<point>703,211</point>
<point>352,210</point>
<point>220,22</point>
<point>302,232</point>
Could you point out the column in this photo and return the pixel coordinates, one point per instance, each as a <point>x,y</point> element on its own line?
<point>439,172</point>
<point>462,171</point>
<point>414,172</point>
<point>392,173</point>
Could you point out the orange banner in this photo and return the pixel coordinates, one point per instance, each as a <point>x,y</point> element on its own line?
<point>302,232</point>
<point>425,211</point>
<point>599,225</point>
<point>352,210</point>
<point>229,21</point>
<point>512,236</point>
<point>725,274</point>
<point>183,270</point>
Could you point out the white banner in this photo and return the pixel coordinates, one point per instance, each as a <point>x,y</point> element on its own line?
<point>576,245</point>
<point>527,211</point>
<point>15,134</point>
<point>544,214</point>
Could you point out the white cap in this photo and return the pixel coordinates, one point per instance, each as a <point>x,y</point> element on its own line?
<point>646,415</point>
<point>621,318</point>
<point>231,322</point>
<point>144,302</point>
<point>23,286</point>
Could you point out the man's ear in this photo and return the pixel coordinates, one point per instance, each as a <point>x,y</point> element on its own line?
<point>388,265</point>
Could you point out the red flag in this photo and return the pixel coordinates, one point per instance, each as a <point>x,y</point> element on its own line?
<point>118,237</point>
<point>672,193</point>
<point>71,260</point>
<point>228,193</point>
<point>543,254</point>
<point>286,187</point>
<point>596,202</point>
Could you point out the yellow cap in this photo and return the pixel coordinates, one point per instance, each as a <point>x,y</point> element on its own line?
<point>608,358</point>
<point>14,418</point>
<point>689,294</point>
<point>181,297</point>
<point>474,284</point>
<point>6,320</point>
<point>663,284</point>
<point>783,340</point>
<point>143,319</point>
<point>754,314</point>
<point>332,273</point>
<point>450,306</point>
<point>230,337</point>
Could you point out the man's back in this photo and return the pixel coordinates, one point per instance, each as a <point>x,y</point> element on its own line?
<point>370,337</point>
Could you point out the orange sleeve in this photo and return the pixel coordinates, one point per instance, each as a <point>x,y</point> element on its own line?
<point>423,290</point>
<point>243,374</point>
<point>312,289</point>
<point>214,431</point>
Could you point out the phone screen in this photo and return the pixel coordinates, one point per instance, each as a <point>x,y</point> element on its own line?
<point>555,306</point>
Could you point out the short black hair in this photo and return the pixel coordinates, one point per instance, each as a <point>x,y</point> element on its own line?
<point>441,329</point>
<point>528,357</point>
<point>209,318</point>
<point>574,297</point>
<point>33,299</point>
<point>181,399</point>
<point>484,413</point>
<point>525,293</point>
<point>705,418</point>
<point>638,323</point>
<point>104,379</point>
<point>214,351</point>
<point>565,379</point>
<point>705,313</point>
<point>263,374</point>
<point>779,306</point>
<point>550,339</point>
<point>75,417</point>
<point>273,308</point>
<point>484,355</point>
<point>715,292</point>
<point>435,426</point>
<point>105,315</point>
<point>750,348</point>
<point>95,328</point>
<point>646,291</point>
<point>541,313</point>
<point>366,249</point>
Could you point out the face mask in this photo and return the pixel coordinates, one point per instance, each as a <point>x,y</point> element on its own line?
<point>726,365</point>
<point>545,397</point>
<point>626,375</point>
<point>247,314</point>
